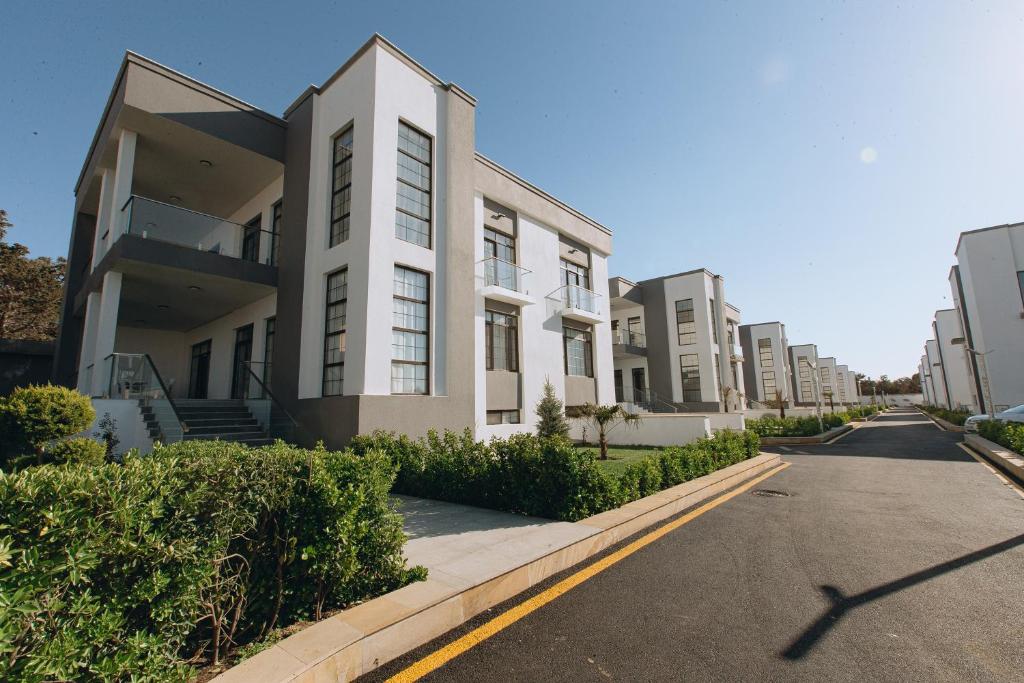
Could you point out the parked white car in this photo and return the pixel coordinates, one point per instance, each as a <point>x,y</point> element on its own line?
<point>1011,415</point>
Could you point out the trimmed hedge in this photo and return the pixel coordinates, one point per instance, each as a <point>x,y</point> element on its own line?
<point>32,417</point>
<point>1008,434</point>
<point>551,478</point>
<point>131,571</point>
<point>957,417</point>
<point>771,426</point>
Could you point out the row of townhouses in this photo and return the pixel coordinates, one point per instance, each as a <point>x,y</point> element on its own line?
<point>974,358</point>
<point>355,264</point>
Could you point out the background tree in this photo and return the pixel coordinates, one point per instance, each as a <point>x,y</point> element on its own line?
<point>605,419</point>
<point>902,385</point>
<point>551,414</point>
<point>30,290</point>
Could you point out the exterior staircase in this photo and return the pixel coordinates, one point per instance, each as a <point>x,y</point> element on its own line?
<point>228,420</point>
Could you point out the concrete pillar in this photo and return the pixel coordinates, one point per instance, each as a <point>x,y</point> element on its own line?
<point>100,240</point>
<point>106,329</point>
<point>122,191</point>
<point>88,350</point>
<point>724,351</point>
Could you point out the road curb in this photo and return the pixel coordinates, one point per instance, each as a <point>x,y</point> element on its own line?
<point>1010,463</point>
<point>944,425</point>
<point>823,438</point>
<point>364,637</point>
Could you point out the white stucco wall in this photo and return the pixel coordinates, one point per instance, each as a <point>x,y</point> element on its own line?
<point>699,287</point>
<point>130,429</point>
<point>954,360</point>
<point>780,361</point>
<point>810,351</point>
<point>653,430</point>
<point>938,383</point>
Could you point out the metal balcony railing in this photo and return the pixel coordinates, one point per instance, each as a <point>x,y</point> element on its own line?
<point>275,420</point>
<point>155,220</point>
<point>628,338</point>
<point>505,274</point>
<point>574,296</point>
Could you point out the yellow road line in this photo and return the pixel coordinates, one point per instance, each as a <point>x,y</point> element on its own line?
<point>1009,482</point>
<point>449,652</point>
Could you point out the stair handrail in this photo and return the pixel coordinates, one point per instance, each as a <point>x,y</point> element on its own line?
<point>267,392</point>
<point>160,380</point>
<point>650,397</point>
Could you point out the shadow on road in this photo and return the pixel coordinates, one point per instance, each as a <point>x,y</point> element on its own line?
<point>841,604</point>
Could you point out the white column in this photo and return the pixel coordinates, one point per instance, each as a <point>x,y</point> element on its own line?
<point>88,351</point>
<point>106,328</point>
<point>122,191</point>
<point>99,244</point>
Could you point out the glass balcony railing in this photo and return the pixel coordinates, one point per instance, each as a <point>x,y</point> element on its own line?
<point>155,220</point>
<point>505,274</point>
<point>574,296</point>
<point>132,376</point>
<point>628,338</point>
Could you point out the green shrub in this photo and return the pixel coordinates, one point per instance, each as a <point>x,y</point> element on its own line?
<point>82,451</point>
<point>121,572</point>
<point>33,416</point>
<point>957,417</point>
<point>1008,434</point>
<point>770,426</point>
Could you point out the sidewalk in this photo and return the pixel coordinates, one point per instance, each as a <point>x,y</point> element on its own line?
<point>476,559</point>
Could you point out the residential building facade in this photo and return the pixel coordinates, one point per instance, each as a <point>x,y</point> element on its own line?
<point>803,359</point>
<point>354,262</point>
<point>953,355</point>
<point>668,352</point>
<point>766,371</point>
<point>988,293</point>
<point>937,377</point>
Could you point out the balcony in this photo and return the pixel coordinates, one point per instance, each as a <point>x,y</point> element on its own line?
<point>580,304</point>
<point>153,220</point>
<point>627,344</point>
<point>504,281</point>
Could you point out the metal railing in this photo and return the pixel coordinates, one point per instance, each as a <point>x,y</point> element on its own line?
<point>574,296</point>
<point>133,376</point>
<point>267,409</point>
<point>501,273</point>
<point>155,220</point>
<point>628,338</point>
<point>647,401</point>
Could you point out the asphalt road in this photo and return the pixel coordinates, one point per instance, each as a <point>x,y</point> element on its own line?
<point>894,556</point>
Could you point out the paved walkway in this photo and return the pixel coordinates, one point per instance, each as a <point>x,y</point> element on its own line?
<point>891,555</point>
<point>464,545</point>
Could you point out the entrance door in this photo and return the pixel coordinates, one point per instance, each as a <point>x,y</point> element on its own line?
<point>243,354</point>
<point>639,385</point>
<point>251,240</point>
<point>199,373</point>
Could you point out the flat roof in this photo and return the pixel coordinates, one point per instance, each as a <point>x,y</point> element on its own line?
<point>991,227</point>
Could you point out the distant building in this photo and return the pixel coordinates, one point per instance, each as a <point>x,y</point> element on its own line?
<point>766,371</point>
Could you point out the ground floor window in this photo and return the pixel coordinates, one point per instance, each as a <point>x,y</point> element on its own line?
<point>689,369</point>
<point>410,332</point>
<point>502,417</point>
<point>579,358</point>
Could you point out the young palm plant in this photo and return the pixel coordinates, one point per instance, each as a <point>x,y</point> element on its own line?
<point>605,419</point>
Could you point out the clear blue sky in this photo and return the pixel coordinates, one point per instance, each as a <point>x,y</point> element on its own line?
<point>822,157</point>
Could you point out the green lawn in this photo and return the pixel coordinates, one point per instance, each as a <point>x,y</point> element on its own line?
<point>620,456</point>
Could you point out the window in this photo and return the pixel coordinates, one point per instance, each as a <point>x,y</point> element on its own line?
<point>412,211</point>
<point>689,370</point>
<point>575,274</point>
<point>502,417</point>
<point>499,245</point>
<point>578,353</point>
<point>251,240</point>
<point>731,328</point>
<point>409,332</point>
<point>334,333</point>
<point>341,187</point>
<point>806,391</point>
<point>764,351</point>
<point>268,351</point>
<point>275,233</point>
<point>686,329</point>
<point>619,393</point>
<point>804,367</point>
<point>502,336</point>
<point>714,321</point>
<point>768,381</point>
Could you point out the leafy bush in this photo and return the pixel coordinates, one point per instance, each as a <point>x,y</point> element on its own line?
<point>957,417</point>
<point>549,478</point>
<point>33,416</point>
<point>82,451</point>
<point>129,571</point>
<point>1008,434</point>
<point>770,426</point>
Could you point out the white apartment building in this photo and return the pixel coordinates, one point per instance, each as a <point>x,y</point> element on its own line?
<point>766,370</point>
<point>803,359</point>
<point>936,375</point>
<point>926,381</point>
<point>667,349</point>
<point>953,357</point>
<point>353,264</point>
<point>829,381</point>
<point>846,385</point>
<point>988,293</point>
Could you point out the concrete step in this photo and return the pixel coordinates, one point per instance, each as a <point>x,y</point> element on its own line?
<point>225,429</point>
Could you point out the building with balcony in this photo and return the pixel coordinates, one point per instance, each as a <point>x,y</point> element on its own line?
<point>987,283</point>
<point>353,264</point>
<point>803,359</point>
<point>666,344</point>
<point>766,371</point>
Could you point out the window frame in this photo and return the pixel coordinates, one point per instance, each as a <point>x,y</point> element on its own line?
<point>588,351</point>
<point>426,333</point>
<point>685,375</point>
<point>335,191</point>
<point>276,217</point>
<point>431,165</point>
<point>691,333</point>
<point>511,341</point>
<point>269,338</point>
<point>328,334</point>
